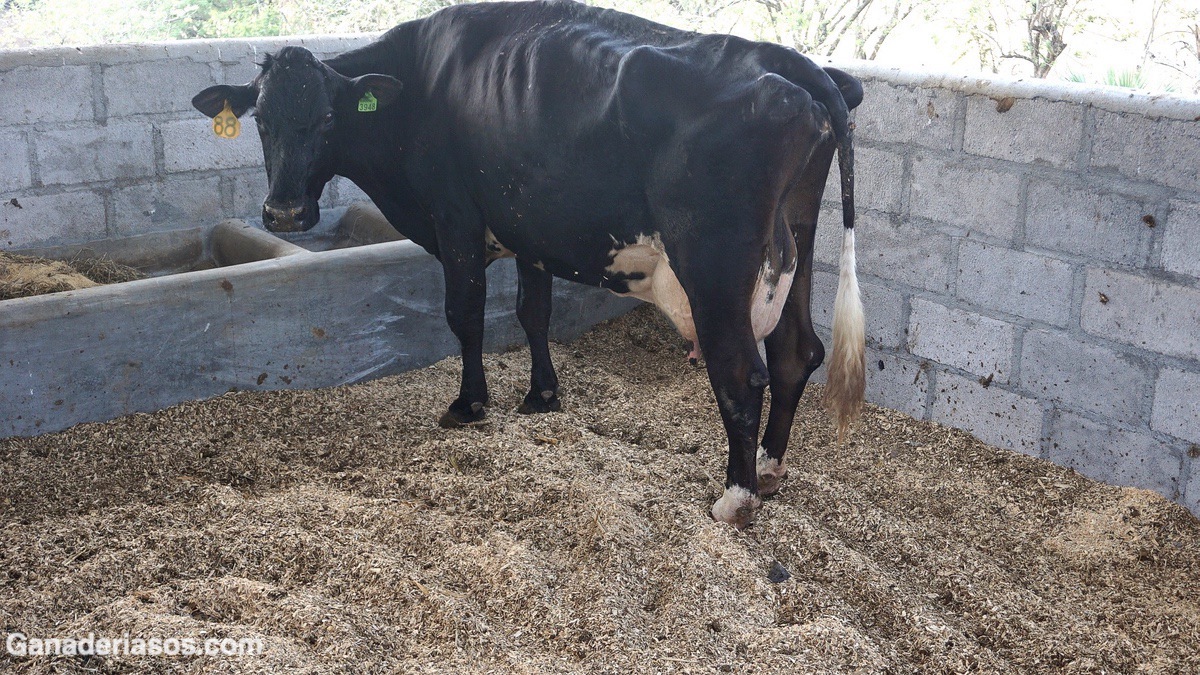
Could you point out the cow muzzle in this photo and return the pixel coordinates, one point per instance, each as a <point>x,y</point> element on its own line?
<point>290,217</point>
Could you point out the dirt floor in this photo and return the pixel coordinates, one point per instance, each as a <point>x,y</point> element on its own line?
<point>355,536</point>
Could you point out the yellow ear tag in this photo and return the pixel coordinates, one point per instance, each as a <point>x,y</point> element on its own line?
<point>226,124</point>
<point>368,103</point>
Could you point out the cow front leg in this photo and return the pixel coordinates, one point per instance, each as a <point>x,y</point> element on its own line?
<point>738,377</point>
<point>466,295</point>
<point>533,311</point>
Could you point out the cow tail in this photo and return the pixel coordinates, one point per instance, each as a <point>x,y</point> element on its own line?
<point>846,382</point>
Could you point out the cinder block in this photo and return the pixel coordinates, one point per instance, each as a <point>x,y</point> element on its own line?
<point>1159,150</point>
<point>34,95</point>
<point>961,339</point>
<point>14,169</point>
<point>883,307</point>
<point>827,244</point>
<point>165,205</point>
<point>1032,131</point>
<point>1025,284</point>
<point>1154,315</point>
<point>1191,498</point>
<point>240,57</point>
<point>249,192</point>
<point>1177,405</point>
<point>995,416</point>
<point>158,86</point>
<point>1084,377</point>
<point>1087,221</point>
<point>197,51</point>
<point>328,46</point>
<point>974,198</point>
<point>878,181</point>
<point>328,197</point>
<point>1114,455</point>
<point>120,54</point>
<point>1181,242</point>
<point>894,114</point>
<point>240,60</point>
<point>897,383</point>
<point>51,219</point>
<point>190,145</point>
<point>347,192</point>
<point>120,150</point>
<point>912,253</point>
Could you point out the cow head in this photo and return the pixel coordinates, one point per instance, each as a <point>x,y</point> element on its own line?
<point>298,104</point>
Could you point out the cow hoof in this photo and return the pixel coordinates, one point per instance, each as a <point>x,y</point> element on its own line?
<point>771,473</point>
<point>544,402</point>
<point>736,507</point>
<point>463,415</point>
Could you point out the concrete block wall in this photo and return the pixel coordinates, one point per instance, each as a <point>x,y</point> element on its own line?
<point>1030,253</point>
<point>1030,265</point>
<point>103,142</point>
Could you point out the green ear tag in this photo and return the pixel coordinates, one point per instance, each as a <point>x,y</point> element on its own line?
<point>367,103</point>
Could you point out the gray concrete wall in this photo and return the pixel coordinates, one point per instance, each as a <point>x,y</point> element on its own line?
<point>103,141</point>
<point>1008,248</point>
<point>1030,259</point>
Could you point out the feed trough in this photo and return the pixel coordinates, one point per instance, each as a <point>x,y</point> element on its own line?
<point>232,307</point>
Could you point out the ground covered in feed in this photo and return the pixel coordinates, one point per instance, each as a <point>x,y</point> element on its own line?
<point>353,535</point>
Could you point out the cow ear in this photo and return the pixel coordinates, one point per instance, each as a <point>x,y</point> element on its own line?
<point>384,88</point>
<point>240,97</point>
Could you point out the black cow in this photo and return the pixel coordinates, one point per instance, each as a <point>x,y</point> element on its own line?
<point>679,168</point>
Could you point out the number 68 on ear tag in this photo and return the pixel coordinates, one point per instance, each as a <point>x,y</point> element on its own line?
<point>225,124</point>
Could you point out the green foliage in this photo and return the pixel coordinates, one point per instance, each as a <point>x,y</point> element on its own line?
<point>1130,79</point>
<point>1159,39</point>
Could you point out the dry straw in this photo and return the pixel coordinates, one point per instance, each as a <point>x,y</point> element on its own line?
<point>355,536</point>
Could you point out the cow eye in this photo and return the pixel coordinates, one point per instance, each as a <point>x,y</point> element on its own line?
<point>327,120</point>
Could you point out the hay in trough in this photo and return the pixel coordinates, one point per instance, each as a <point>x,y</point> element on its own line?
<point>103,270</point>
<point>22,276</point>
<point>351,534</point>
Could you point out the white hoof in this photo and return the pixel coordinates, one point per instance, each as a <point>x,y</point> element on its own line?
<point>736,507</point>
<point>771,473</point>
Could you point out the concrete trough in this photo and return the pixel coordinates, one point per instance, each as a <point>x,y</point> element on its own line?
<point>250,311</point>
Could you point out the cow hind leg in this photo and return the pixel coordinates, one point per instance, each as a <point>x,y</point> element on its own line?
<point>793,350</point>
<point>466,296</point>
<point>533,311</point>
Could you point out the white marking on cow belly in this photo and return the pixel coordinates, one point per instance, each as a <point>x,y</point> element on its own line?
<point>767,301</point>
<point>493,249</point>
<point>659,286</point>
